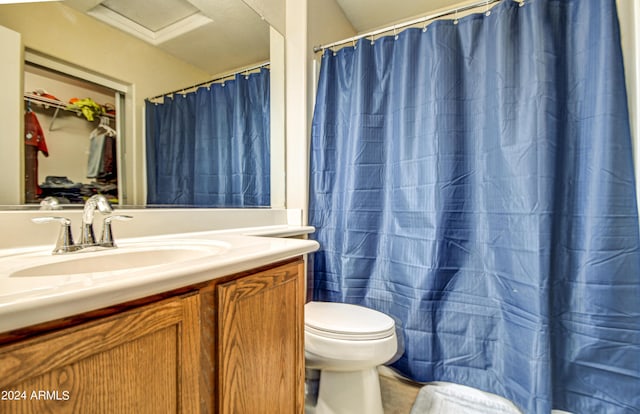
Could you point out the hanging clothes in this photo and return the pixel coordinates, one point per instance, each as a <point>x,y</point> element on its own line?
<point>475,181</point>
<point>102,161</point>
<point>34,143</point>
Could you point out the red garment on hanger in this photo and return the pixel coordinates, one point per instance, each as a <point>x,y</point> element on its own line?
<point>34,142</point>
<point>33,134</point>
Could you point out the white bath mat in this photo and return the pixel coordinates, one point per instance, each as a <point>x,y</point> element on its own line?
<point>447,398</point>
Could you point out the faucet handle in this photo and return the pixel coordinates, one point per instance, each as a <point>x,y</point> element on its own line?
<point>107,232</point>
<point>50,203</point>
<point>64,244</point>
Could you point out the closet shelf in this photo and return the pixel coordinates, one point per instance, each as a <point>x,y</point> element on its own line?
<point>58,105</point>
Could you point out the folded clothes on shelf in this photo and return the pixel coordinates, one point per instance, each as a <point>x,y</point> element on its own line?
<point>59,182</point>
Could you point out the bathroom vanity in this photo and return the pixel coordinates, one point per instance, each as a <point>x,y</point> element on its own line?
<point>224,340</point>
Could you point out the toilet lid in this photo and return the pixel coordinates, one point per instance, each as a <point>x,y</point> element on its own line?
<point>346,321</point>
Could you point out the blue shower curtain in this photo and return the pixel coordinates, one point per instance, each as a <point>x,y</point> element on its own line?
<point>211,148</point>
<point>474,180</point>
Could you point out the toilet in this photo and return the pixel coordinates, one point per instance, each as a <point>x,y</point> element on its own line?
<point>346,343</point>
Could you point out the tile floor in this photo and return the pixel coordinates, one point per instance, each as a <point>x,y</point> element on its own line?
<point>397,395</point>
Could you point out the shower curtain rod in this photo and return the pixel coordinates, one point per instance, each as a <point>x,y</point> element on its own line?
<point>232,74</point>
<point>413,22</point>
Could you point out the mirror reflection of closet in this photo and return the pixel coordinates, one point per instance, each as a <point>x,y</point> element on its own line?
<point>70,154</point>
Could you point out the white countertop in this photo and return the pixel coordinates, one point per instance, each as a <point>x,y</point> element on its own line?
<point>29,300</point>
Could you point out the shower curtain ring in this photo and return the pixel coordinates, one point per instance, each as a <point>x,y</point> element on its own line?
<point>354,43</point>
<point>487,12</point>
<point>455,17</point>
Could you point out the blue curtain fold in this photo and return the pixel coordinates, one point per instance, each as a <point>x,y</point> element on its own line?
<point>475,182</point>
<point>211,148</point>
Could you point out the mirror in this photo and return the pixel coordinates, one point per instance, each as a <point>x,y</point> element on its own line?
<point>211,39</point>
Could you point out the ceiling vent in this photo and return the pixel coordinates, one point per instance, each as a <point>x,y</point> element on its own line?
<point>154,21</point>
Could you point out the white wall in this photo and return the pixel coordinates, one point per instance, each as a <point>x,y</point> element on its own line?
<point>11,151</point>
<point>277,117</point>
<point>308,23</point>
<point>297,171</point>
<point>629,16</point>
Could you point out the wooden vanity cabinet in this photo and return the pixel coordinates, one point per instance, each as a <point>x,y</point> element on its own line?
<point>232,345</point>
<point>144,360</point>
<point>260,353</point>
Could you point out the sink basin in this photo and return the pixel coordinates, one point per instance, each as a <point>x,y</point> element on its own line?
<point>126,257</point>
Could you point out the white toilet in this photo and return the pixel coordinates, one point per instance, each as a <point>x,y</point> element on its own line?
<point>346,343</point>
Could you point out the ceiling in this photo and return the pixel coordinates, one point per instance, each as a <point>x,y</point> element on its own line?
<point>215,36</point>
<point>221,35</point>
<point>366,15</point>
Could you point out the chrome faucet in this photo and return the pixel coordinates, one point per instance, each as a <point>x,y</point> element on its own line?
<point>96,202</point>
<point>65,243</point>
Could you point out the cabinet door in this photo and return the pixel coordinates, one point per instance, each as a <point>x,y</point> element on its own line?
<point>141,361</point>
<point>261,354</point>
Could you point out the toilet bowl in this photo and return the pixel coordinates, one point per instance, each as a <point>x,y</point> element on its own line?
<point>346,343</point>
